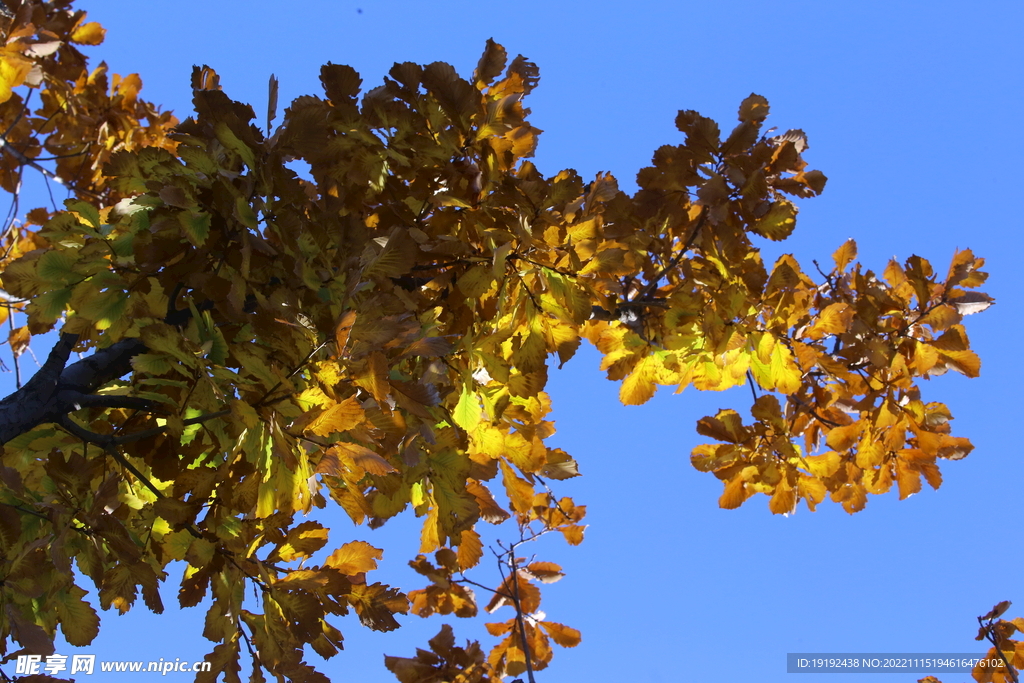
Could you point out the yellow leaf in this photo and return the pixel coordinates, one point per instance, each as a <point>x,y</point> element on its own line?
<point>784,372</point>
<point>467,411</point>
<point>812,490</point>
<point>338,418</point>
<point>531,353</point>
<point>475,282</point>
<point>783,501</point>
<point>908,478</point>
<point>573,533</point>
<point>844,254</point>
<point>19,340</point>
<point>734,494</point>
<point>14,69</point>
<point>853,497</point>
<point>88,34</point>
<point>870,454</point>
<point>353,558</point>
<point>965,362</point>
<point>843,438</point>
<point>638,387</point>
<point>302,541</point>
<point>520,492</point>
<point>833,319</point>
<point>429,540</point>
<point>349,454</point>
<point>244,414</point>
<point>824,465</point>
<point>490,511</point>
<point>499,259</point>
<point>471,549</point>
<point>584,230</point>
<point>305,579</point>
<point>607,261</point>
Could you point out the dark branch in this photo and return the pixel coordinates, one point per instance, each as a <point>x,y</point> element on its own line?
<point>59,389</point>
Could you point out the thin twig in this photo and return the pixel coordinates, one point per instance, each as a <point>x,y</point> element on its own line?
<point>995,643</point>
<point>653,284</point>
<point>813,412</point>
<point>750,381</point>
<point>17,365</point>
<point>480,585</point>
<point>519,612</point>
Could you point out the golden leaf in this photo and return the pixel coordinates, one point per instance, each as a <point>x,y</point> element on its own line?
<point>342,456</point>
<point>834,319</point>
<point>353,558</point>
<point>561,634</point>
<point>19,339</point>
<point>14,69</point>
<point>470,549</point>
<point>734,494</point>
<point>844,254</point>
<point>783,501</point>
<point>639,386</point>
<point>340,417</point>
<point>88,34</point>
<point>520,492</point>
<point>785,374</point>
<point>842,438</point>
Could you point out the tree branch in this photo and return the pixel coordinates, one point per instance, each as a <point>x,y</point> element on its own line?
<point>56,391</point>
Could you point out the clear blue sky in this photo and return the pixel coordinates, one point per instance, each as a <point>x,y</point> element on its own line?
<point>913,110</point>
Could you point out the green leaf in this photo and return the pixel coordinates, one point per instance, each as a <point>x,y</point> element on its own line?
<point>196,226</point>
<point>57,266</point>
<point>87,213</point>
<point>51,305</point>
<point>245,214</point>
<point>79,621</point>
<point>228,138</point>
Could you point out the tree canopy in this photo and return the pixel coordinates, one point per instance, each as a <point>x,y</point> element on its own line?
<point>358,307</point>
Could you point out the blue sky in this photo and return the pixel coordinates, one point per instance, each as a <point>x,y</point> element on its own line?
<point>912,109</point>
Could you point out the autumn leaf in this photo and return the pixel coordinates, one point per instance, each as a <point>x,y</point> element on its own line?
<point>339,418</point>
<point>563,635</point>
<point>354,558</point>
<point>88,34</point>
<point>79,621</point>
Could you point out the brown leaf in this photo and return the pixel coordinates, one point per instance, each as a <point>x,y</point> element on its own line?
<point>996,611</point>
<point>754,109</point>
<point>491,64</point>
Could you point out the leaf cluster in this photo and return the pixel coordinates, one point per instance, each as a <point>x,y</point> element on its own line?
<point>377,333</point>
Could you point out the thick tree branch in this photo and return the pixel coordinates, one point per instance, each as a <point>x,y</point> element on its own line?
<point>92,372</point>
<point>59,389</point>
